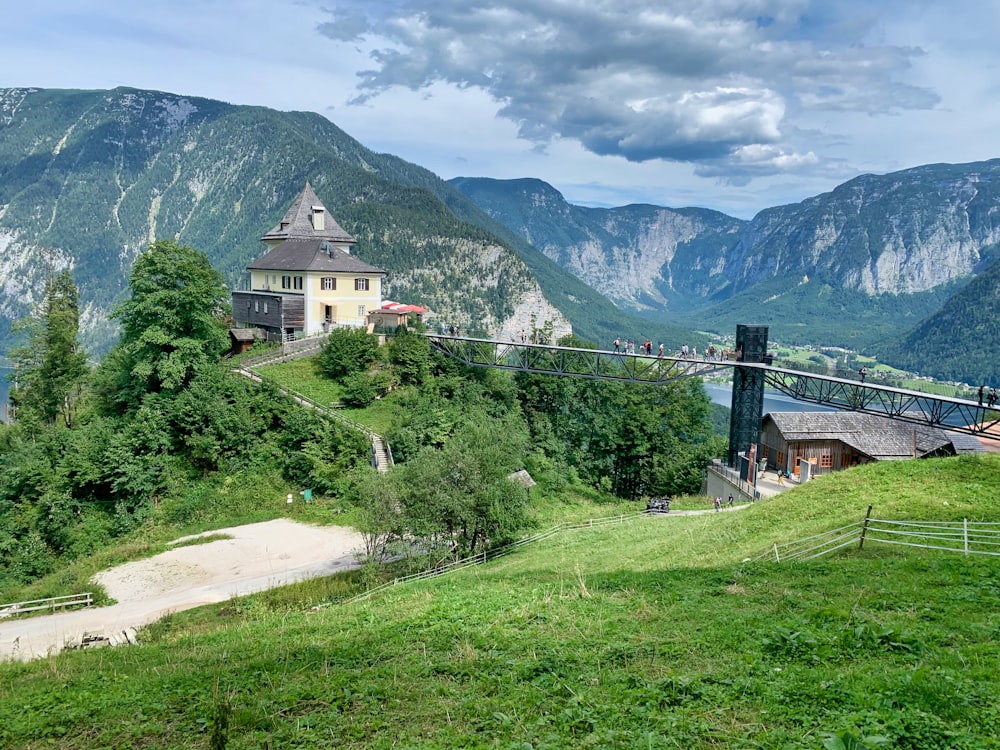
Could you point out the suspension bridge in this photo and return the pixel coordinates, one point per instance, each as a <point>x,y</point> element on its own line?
<point>750,375</point>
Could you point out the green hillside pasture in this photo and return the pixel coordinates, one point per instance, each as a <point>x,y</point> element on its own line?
<point>300,375</point>
<point>651,634</point>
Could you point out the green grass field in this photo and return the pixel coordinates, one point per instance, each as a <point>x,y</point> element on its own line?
<point>656,633</point>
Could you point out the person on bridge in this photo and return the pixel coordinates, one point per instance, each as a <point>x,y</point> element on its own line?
<point>618,343</point>
<point>660,351</point>
<point>863,372</point>
<point>981,389</point>
<point>991,399</point>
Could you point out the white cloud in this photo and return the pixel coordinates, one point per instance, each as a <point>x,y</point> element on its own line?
<point>698,82</point>
<point>730,104</point>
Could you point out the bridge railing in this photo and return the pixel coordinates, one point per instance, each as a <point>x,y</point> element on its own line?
<point>917,407</point>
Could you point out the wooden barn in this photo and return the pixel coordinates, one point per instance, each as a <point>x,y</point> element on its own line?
<point>838,440</point>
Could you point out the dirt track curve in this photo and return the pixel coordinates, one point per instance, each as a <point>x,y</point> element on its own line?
<point>259,556</point>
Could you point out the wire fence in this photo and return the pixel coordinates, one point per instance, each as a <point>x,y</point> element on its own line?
<point>964,537</point>
<point>492,554</point>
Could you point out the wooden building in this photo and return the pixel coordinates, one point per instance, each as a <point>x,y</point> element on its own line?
<point>838,440</point>
<point>393,315</point>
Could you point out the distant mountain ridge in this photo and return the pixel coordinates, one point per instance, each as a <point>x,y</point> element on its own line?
<point>640,256</point>
<point>856,266</point>
<point>89,178</point>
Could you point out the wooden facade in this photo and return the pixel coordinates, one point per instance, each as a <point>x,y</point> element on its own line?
<point>282,313</point>
<point>825,455</point>
<point>831,441</point>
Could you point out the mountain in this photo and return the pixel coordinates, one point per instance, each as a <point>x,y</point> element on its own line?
<point>89,178</point>
<point>850,267</point>
<point>959,339</point>
<point>642,257</point>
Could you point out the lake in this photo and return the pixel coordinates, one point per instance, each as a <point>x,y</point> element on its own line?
<point>4,390</point>
<point>773,400</point>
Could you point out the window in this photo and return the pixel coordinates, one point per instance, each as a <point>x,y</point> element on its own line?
<point>328,283</point>
<point>361,311</point>
<point>286,282</point>
<point>781,459</point>
<point>298,282</point>
<point>265,308</point>
<point>256,305</point>
<point>826,461</point>
<point>361,285</point>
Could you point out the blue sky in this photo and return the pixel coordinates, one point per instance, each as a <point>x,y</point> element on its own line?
<point>735,105</point>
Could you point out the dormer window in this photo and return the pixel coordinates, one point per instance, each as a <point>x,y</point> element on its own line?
<point>317,217</point>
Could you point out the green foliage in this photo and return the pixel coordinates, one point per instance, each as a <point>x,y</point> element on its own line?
<point>172,326</point>
<point>957,342</point>
<point>851,740</point>
<point>644,634</point>
<point>410,354</point>
<point>347,351</point>
<point>640,440</point>
<point>462,492</point>
<point>50,365</point>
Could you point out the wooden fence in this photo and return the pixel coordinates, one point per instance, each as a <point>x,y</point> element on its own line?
<point>53,603</point>
<point>964,537</point>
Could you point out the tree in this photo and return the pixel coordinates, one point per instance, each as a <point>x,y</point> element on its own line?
<point>347,351</point>
<point>50,366</point>
<point>410,357</point>
<point>174,323</point>
<point>379,519</point>
<point>462,493</point>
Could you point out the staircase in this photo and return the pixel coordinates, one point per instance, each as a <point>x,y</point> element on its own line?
<point>381,456</point>
<point>381,452</point>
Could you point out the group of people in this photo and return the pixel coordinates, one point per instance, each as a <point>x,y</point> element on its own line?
<point>717,502</point>
<point>990,396</point>
<point>628,346</point>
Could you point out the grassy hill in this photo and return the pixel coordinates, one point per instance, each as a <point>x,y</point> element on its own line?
<point>655,633</point>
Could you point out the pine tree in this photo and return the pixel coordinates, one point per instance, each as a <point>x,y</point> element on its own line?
<point>50,366</point>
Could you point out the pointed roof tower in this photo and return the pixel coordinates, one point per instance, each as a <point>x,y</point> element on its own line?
<point>308,219</point>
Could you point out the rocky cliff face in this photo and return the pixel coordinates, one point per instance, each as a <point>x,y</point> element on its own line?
<point>900,234</point>
<point>641,256</point>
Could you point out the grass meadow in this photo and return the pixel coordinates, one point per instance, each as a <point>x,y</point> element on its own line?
<point>656,633</point>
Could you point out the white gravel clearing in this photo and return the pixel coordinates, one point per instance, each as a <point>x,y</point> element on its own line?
<point>259,556</point>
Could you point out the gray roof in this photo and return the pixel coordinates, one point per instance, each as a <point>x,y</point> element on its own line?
<point>881,438</point>
<point>297,221</point>
<point>242,334</point>
<point>311,255</point>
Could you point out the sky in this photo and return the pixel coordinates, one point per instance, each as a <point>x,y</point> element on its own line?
<point>734,105</point>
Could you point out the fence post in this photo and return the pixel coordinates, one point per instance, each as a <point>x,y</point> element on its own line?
<point>864,529</point>
<point>776,558</point>
<point>965,535</point>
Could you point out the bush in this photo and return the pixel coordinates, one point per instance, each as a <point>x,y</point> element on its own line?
<point>347,351</point>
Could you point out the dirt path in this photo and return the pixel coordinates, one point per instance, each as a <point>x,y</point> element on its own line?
<point>258,556</point>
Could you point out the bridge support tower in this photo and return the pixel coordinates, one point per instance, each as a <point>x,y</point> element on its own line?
<point>748,391</point>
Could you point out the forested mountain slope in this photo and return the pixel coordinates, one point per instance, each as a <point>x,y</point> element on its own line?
<point>959,339</point>
<point>89,178</point>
